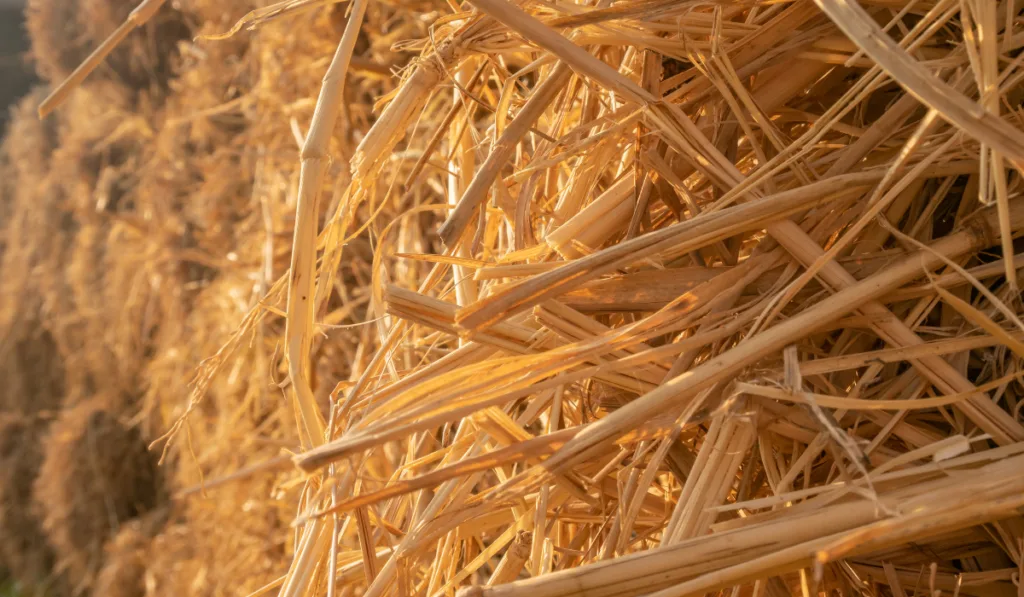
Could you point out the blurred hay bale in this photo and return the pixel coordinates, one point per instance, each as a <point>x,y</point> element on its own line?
<point>28,210</point>
<point>126,557</point>
<point>78,176</point>
<point>33,374</point>
<point>74,245</point>
<point>24,551</point>
<point>124,567</point>
<point>31,363</point>
<point>96,475</point>
<point>53,29</point>
<point>64,33</point>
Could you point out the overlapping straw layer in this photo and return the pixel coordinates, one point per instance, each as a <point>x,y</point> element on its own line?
<point>542,299</point>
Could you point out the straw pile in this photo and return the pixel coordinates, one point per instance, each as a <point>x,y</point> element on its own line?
<point>520,298</point>
<point>96,472</point>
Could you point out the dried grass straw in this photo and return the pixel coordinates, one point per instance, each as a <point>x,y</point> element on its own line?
<point>518,298</point>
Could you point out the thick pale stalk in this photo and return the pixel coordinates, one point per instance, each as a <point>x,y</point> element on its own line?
<point>514,560</point>
<point>302,285</point>
<point>460,173</point>
<point>592,225</point>
<point>314,540</point>
<point>299,325</point>
<point>395,119</point>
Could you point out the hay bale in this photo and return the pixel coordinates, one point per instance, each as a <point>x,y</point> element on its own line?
<point>772,111</point>
<point>96,475</point>
<point>126,556</point>
<point>77,174</point>
<point>33,374</point>
<point>24,551</point>
<point>26,209</point>
<point>64,32</point>
<point>125,566</point>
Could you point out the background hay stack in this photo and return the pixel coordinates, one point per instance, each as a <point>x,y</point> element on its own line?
<point>519,298</point>
<point>25,552</point>
<point>95,475</point>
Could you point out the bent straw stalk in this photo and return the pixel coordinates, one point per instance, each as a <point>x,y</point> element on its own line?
<point>302,285</point>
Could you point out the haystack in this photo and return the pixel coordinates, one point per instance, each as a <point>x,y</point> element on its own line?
<point>124,568</point>
<point>33,373</point>
<point>96,476</point>
<point>648,297</point>
<point>26,207</point>
<point>63,34</point>
<point>127,555</point>
<point>24,552</point>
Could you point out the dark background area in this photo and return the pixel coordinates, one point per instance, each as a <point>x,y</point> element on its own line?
<point>16,76</point>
